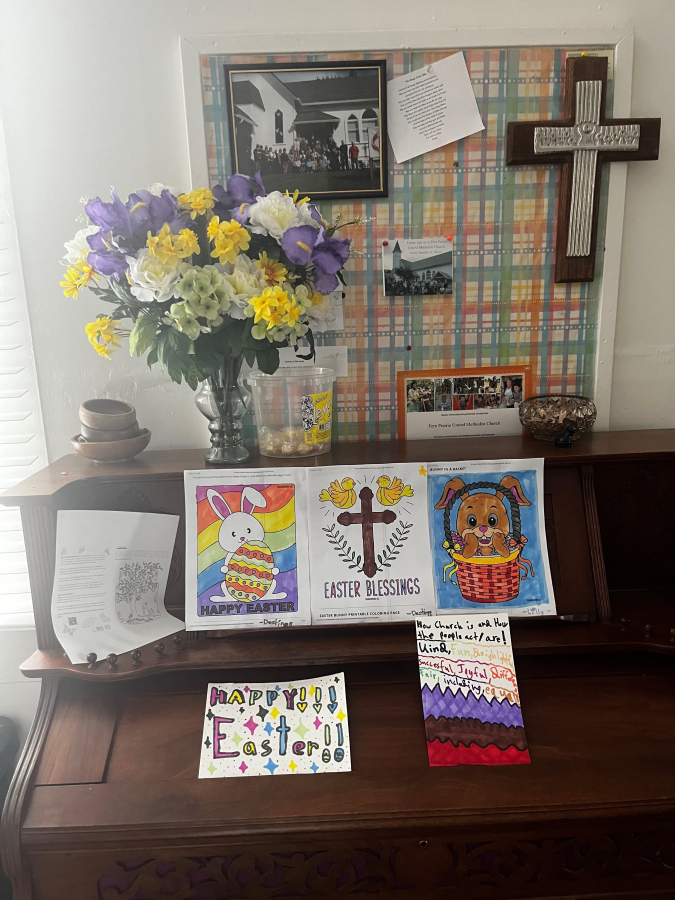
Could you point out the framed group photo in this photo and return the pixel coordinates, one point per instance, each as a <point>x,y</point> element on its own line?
<point>320,128</point>
<point>441,403</point>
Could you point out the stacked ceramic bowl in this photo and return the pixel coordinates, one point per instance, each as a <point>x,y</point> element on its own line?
<point>110,432</point>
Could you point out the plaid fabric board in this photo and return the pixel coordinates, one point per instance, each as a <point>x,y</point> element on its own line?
<point>506,308</point>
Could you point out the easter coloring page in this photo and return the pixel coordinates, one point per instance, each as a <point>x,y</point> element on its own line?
<point>369,543</point>
<point>246,554</point>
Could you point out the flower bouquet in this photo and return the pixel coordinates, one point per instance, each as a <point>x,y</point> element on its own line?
<point>207,279</point>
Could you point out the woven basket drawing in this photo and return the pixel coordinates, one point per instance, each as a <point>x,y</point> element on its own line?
<point>488,579</point>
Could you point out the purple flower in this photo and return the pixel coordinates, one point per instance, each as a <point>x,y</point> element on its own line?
<point>298,243</point>
<point>323,282</point>
<point>315,214</point>
<point>240,194</point>
<point>331,254</point>
<point>131,221</point>
<point>113,217</point>
<point>105,258</point>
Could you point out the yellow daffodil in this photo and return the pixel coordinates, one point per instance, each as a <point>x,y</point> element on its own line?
<point>189,244</point>
<point>102,336</point>
<point>229,238</point>
<point>272,269</point>
<point>198,202</point>
<point>269,306</point>
<point>171,248</point>
<point>291,312</point>
<point>77,277</point>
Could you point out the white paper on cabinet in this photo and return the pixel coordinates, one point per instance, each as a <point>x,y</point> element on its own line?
<point>110,579</point>
<point>369,543</point>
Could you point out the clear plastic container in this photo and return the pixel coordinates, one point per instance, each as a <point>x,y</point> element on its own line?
<point>293,411</point>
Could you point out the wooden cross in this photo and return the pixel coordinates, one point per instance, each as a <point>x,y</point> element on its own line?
<point>365,519</point>
<point>581,142</point>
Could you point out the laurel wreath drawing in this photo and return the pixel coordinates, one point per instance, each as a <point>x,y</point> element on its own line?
<point>391,550</point>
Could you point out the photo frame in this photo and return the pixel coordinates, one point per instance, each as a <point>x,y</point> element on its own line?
<point>320,128</point>
<point>469,402</point>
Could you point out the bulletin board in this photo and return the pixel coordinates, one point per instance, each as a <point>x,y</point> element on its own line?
<point>505,308</point>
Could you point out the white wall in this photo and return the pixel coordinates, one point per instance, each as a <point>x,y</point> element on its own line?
<point>92,95</point>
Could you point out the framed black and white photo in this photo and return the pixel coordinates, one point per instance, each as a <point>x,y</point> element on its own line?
<point>320,128</point>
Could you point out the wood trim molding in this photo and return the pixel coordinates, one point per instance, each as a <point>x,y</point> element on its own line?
<point>39,530</point>
<point>595,545</point>
<point>13,860</point>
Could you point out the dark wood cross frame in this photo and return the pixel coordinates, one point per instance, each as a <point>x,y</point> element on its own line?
<point>581,142</point>
<point>365,519</point>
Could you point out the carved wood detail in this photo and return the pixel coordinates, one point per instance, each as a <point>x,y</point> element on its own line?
<point>595,545</point>
<point>39,531</point>
<point>14,862</point>
<point>498,868</point>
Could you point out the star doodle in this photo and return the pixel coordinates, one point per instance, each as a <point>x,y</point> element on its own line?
<point>277,688</point>
<point>251,725</point>
<point>268,728</point>
<point>314,768</point>
<point>275,712</point>
<point>270,765</point>
<point>336,679</point>
<point>423,471</point>
<point>209,715</point>
<point>207,743</point>
<point>341,716</point>
<point>246,689</point>
<point>262,712</point>
<point>243,767</point>
<point>292,766</point>
<point>237,738</point>
<point>241,709</point>
<point>301,730</point>
<point>317,723</point>
<point>212,769</point>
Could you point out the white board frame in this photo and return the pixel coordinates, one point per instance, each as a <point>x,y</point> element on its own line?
<point>620,40</point>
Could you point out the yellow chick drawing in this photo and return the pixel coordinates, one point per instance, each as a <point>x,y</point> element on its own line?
<point>388,493</point>
<point>341,495</point>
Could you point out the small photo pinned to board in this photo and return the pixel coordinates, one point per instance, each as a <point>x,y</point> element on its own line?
<point>421,266</point>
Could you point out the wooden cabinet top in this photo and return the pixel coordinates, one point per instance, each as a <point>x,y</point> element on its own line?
<point>170,464</point>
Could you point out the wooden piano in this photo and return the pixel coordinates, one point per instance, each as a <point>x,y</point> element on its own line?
<point>106,804</point>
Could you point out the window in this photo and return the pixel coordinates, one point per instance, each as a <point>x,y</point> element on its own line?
<point>22,447</point>
<point>353,129</point>
<point>279,127</point>
<point>370,123</point>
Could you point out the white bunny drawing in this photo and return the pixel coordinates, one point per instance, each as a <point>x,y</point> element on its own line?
<point>238,527</point>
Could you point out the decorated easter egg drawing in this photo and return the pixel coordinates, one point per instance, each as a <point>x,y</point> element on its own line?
<point>249,573</point>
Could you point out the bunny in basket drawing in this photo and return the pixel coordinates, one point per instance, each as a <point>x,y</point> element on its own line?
<point>248,567</point>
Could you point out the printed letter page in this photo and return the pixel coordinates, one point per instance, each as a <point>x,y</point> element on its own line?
<point>110,579</point>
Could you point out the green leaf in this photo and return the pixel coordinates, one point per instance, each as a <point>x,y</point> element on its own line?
<point>179,341</point>
<point>249,355</point>
<point>151,358</point>
<point>174,369</point>
<point>379,558</point>
<point>142,335</point>
<point>268,358</point>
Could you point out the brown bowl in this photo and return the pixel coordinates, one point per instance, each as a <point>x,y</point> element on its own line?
<point>111,451</point>
<point>97,435</point>
<point>107,415</point>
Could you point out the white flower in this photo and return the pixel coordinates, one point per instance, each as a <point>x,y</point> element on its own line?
<point>78,248</point>
<point>245,280</point>
<point>158,187</point>
<point>276,213</point>
<point>151,280</point>
<point>318,309</point>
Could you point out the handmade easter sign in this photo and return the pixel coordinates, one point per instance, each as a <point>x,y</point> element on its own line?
<point>294,728</point>
<point>488,537</point>
<point>369,543</point>
<point>246,549</point>
<point>472,714</point>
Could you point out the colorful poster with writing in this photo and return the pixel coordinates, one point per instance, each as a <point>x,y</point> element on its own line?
<point>246,549</point>
<point>488,537</point>
<point>290,728</point>
<point>472,714</point>
<point>369,543</point>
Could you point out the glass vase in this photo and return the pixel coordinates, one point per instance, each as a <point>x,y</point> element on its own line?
<point>224,399</point>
